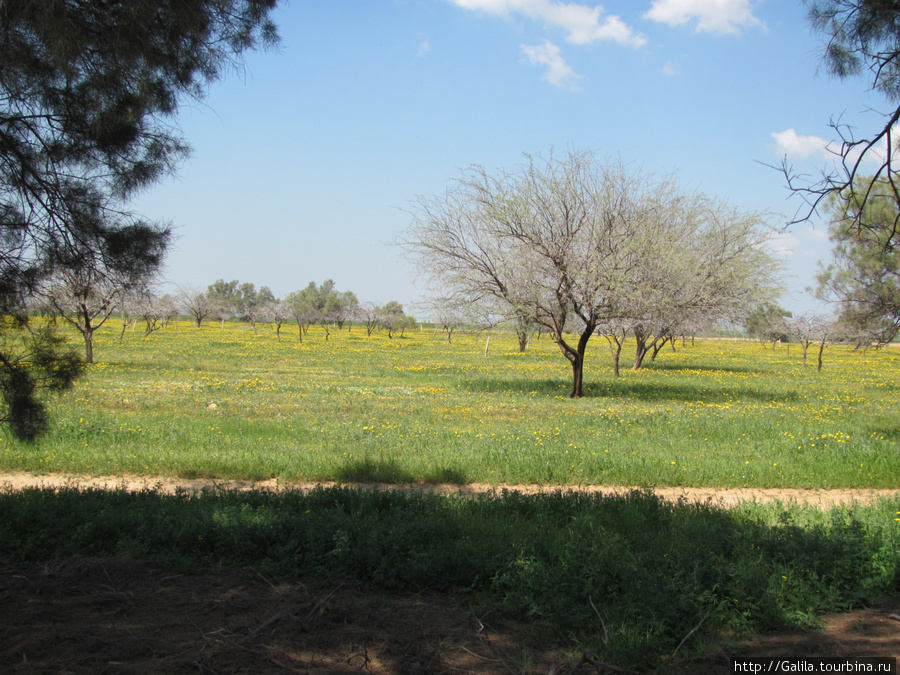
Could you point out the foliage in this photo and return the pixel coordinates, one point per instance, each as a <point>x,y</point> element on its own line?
<point>864,275</point>
<point>87,96</point>
<point>393,319</point>
<point>767,322</point>
<point>862,37</point>
<point>652,570</point>
<point>323,305</point>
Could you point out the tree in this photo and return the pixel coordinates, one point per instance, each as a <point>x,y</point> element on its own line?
<point>449,313</point>
<point>538,241</point>
<point>368,314</point>
<point>862,38</point>
<point>198,304</point>
<point>156,311</point>
<point>809,329</point>
<point>253,304</point>
<point>322,304</point>
<point>571,244</point>
<point>277,312</point>
<point>303,306</point>
<point>342,308</point>
<point>864,275</point>
<point>88,91</point>
<point>89,282</point>
<point>767,322</point>
<point>225,299</point>
<point>392,318</point>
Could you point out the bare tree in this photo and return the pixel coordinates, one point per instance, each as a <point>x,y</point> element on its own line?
<point>540,240</point>
<point>368,314</point>
<point>85,299</point>
<point>811,329</point>
<point>571,244</point>
<point>156,311</point>
<point>449,313</point>
<point>198,304</point>
<point>277,313</point>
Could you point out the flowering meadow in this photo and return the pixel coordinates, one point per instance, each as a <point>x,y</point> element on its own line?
<point>632,577</point>
<point>237,403</point>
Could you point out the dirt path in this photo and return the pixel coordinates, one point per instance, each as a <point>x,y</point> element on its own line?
<point>722,496</point>
<point>126,615</point>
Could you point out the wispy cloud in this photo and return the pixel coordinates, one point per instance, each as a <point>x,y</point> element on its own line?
<point>712,16</point>
<point>584,23</point>
<point>558,73</point>
<point>670,69</point>
<point>424,48</point>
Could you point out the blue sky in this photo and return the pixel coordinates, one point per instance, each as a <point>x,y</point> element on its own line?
<point>305,162</point>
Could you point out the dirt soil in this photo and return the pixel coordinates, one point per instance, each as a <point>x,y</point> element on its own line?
<point>127,615</point>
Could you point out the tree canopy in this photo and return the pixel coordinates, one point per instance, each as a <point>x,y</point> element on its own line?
<point>862,38</point>
<point>864,275</point>
<point>88,95</point>
<point>571,243</point>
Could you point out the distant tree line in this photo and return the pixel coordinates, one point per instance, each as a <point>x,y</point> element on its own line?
<point>323,305</point>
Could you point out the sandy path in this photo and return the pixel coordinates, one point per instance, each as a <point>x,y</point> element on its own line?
<point>723,496</point>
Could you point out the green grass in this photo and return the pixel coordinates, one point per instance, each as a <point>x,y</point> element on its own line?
<point>653,570</point>
<point>234,404</point>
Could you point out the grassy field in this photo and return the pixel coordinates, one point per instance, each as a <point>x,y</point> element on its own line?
<point>231,403</point>
<point>630,577</point>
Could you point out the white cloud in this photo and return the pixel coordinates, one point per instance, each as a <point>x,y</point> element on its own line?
<point>790,143</point>
<point>712,16</point>
<point>670,69</point>
<point>583,23</point>
<point>559,73</point>
<point>424,48</point>
<point>795,146</point>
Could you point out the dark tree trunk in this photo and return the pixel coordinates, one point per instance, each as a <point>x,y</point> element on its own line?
<point>656,347</point>
<point>821,349</point>
<point>640,350</point>
<point>523,341</point>
<point>576,358</point>
<point>88,345</point>
<point>617,352</point>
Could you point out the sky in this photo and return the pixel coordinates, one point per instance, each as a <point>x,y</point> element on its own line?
<point>306,161</point>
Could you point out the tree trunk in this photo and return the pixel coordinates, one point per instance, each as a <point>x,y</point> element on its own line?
<point>640,351</point>
<point>577,377</point>
<point>821,349</point>
<point>88,345</point>
<point>616,353</point>
<point>576,358</point>
<point>656,347</point>
<point>805,348</point>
